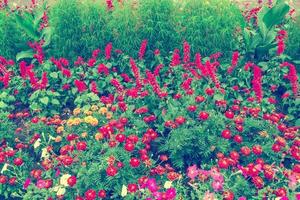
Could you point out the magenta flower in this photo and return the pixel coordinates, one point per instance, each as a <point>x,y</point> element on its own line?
<point>26,183</point>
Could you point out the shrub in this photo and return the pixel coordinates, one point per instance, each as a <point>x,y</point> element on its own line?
<point>125,32</point>
<point>67,29</point>
<point>12,40</point>
<point>209,26</point>
<point>96,33</point>
<point>158,25</point>
<point>293,42</point>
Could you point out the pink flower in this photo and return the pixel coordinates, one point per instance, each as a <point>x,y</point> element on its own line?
<point>151,185</point>
<point>40,184</point>
<point>234,62</point>
<point>176,58</point>
<point>186,52</point>
<point>192,172</point>
<point>91,62</point>
<point>217,186</point>
<point>171,193</point>
<point>108,49</point>
<point>81,86</point>
<point>66,72</point>
<point>44,82</point>
<point>26,183</point>
<point>199,65</point>
<point>94,87</point>
<point>143,49</point>
<point>136,73</point>
<point>156,52</point>
<point>209,196</point>
<point>292,76</point>
<point>103,69</point>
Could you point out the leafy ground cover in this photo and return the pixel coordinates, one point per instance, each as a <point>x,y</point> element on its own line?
<point>150,124</point>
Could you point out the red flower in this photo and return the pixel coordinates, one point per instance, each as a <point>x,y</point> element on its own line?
<point>157,69</point>
<point>211,73</point>
<point>109,4</point>
<point>136,73</point>
<point>81,86</point>
<point>256,81</point>
<point>108,49</point>
<point>66,72</point>
<point>143,49</point>
<point>153,82</point>
<point>91,62</point>
<point>115,82</point>
<point>292,76</point>
<point>199,65</point>
<point>234,62</point>
<point>96,53</point>
<point>176,58</point>
<point>103,69</point>
<point>281,35</point>
<point>186,52</point>
<point>94,87</point>
<point>44,82</point>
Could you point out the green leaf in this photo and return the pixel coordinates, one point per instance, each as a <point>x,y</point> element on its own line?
<point>297,122</point>
<point>276,14</point>
<point>24,54</point>
<point>44,100</point>
<point>26,23</point>
<point>55,101</point>
<point>54,75</point>
<point>2,104</point>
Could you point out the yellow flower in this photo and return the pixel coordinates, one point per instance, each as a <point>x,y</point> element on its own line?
<point>58,139</point>
<point>109,115</point>
<point>103,110</point>
<point>94,108</point>
<point>99,136</point>
<point>59,129</point>
<point>94,122</point>
<point>70,122</point>
<point>76,111</point>
<point>84,134</point>
<point>77,121</point>
<point>88,112</point>
<point>88,119</point>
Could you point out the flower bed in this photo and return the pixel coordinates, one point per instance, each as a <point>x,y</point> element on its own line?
<point>112,126</point>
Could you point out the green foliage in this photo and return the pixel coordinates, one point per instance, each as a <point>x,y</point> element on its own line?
<point>125,32</point>
<point>293,41</point>
<point>158,25</point>
<point>67,25</point>
<point>95,29</point>
<point>261,39</point>
<point>12,39</point>
<point>209,26</point>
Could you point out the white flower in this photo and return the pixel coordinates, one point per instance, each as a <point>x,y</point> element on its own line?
<point>168,184</point>
<point>124,191</point>
<point>64,179</point>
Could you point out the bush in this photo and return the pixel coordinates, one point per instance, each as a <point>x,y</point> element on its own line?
<point>67,29</point>
<point>209,26</point>
<point>158,25</point>
<point>293,42</point>
<point>96,33</point>
<point>125,32</point>
<point>12,40</point>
